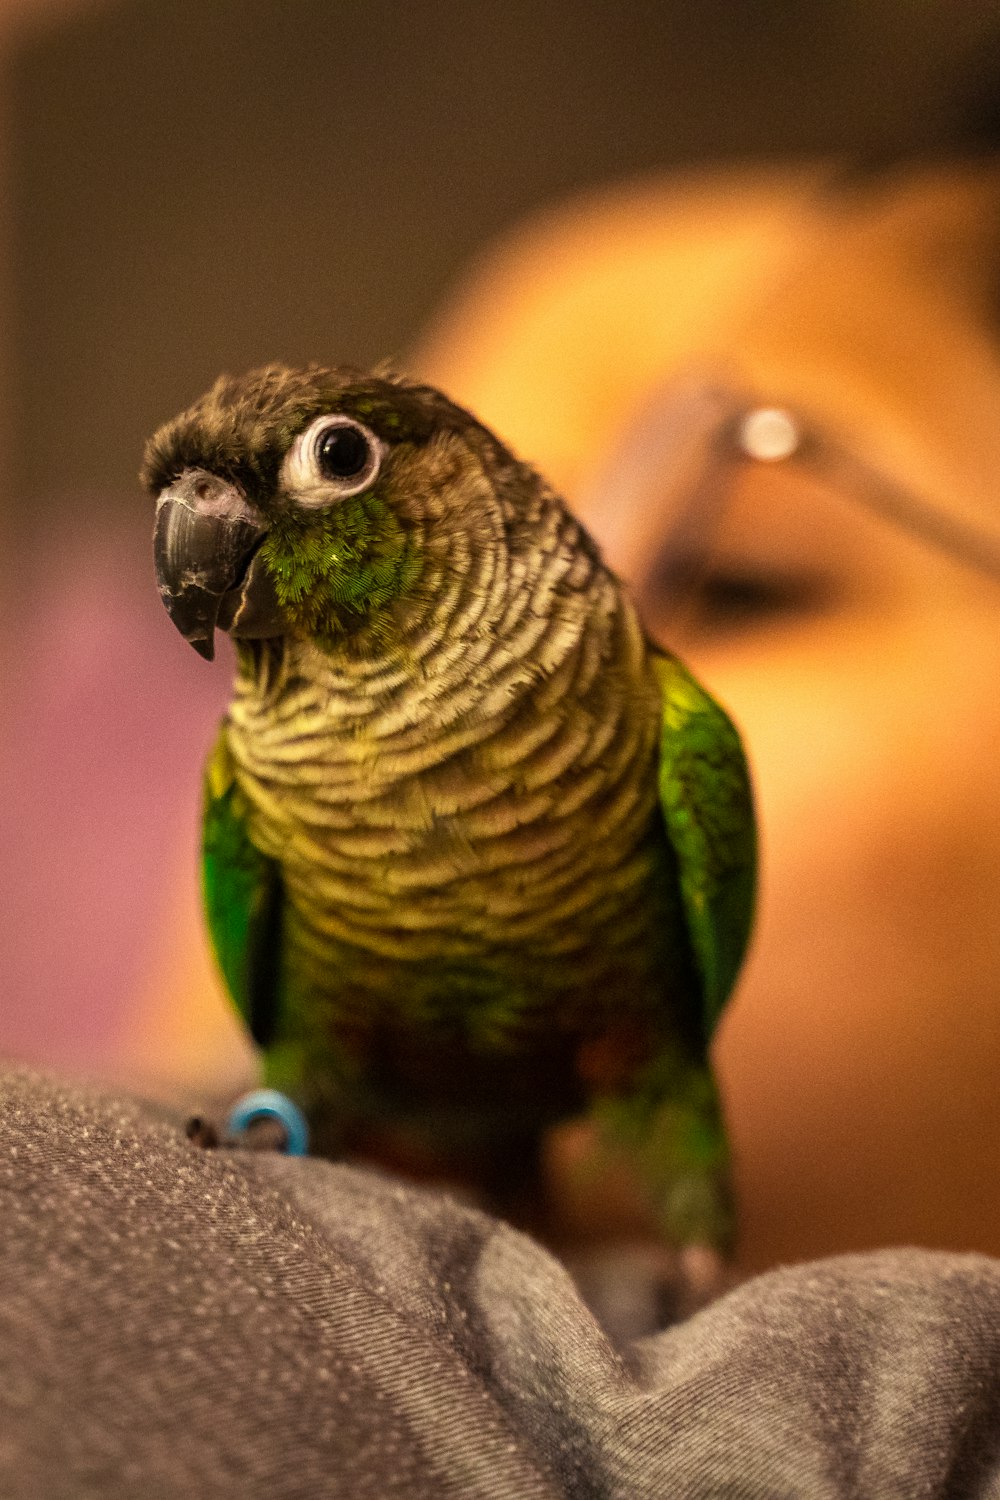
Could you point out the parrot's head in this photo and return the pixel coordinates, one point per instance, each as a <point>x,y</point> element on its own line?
<point>309,501</point>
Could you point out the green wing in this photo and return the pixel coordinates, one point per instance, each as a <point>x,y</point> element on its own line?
<point>243,899</point>
<point>708,807</point>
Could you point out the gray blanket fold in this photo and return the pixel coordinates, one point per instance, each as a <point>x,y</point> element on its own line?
<point>177,1322</point>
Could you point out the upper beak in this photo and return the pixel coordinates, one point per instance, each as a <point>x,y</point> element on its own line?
<point>204,541</point>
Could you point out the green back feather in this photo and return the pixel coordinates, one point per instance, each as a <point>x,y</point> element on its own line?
<point>707,804</point>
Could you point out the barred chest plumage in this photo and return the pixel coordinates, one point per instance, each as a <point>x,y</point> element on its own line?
<point>467,823</point>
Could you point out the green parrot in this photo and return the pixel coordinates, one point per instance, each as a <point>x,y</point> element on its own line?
<point>478,857</point>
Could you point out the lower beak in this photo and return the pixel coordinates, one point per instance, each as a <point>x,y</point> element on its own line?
<point>204,541</point>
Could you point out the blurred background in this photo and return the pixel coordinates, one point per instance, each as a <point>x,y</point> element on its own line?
<point>208,184</point>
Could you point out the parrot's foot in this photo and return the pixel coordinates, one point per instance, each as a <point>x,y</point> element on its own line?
<point>262,1120</point>
<point>265,1114</point>
<point>635,1288</point>
<point>202,1132</point>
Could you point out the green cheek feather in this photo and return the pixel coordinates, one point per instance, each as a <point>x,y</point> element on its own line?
<point>349,561</point>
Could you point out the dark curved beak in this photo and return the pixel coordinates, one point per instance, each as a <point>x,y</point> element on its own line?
<point>204,541</point>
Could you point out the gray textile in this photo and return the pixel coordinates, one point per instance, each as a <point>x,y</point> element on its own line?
<point>178,1322</point>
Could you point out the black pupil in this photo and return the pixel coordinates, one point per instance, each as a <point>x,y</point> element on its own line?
<point>343,452</point>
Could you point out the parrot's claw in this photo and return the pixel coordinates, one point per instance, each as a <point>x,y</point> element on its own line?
<point>201,1132</point>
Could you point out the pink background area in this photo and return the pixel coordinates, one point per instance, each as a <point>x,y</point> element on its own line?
<point>108,717</point>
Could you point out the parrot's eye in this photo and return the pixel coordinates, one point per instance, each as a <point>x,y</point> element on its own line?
<point>343,451</point>
<point>334,457</point>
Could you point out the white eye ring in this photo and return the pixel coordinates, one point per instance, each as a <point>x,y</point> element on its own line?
<point>309,471</point>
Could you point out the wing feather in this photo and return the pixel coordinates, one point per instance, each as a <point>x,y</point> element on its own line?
<point>243,899</point>
<point>707,803</point>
